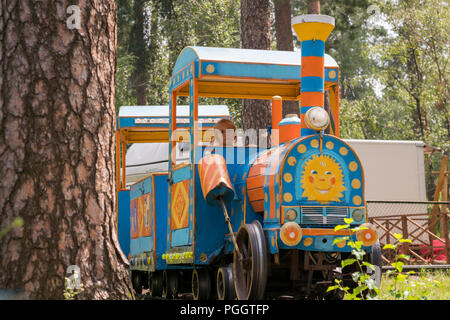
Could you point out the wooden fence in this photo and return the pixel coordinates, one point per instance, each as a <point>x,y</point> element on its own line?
<point>428,230</point>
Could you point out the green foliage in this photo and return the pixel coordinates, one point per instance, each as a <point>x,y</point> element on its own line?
<point>400,287</point>
<point>365,287</point>
<point>170,27</point>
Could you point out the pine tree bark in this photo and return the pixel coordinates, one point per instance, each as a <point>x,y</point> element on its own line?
<point>283,33</point>
<point>57,118</point>
<point>255,34</point>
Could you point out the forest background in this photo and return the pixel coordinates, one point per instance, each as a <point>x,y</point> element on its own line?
<point>393,58</point>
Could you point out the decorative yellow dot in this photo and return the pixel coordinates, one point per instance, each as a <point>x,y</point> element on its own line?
<point>341,244</point>
<point>307,242</point>
<point>314,143</point>
<point>330,145</point>
<point>273,241</point>
<point>287,197</point>
<point>343,151</point>
<point>356,184</point>
<point>332,74</point>
<point>265,180</point>
<point>357,200</point>
<point>301,148</point>
<point>265,197</point>
<point>353,166</point>
<point>292,161</point>
<point>210,68</point>
<point>288,177</point>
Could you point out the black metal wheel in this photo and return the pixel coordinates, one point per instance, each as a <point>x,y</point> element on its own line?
<point>250,273</point>
<point>156,284</point>
<point>225,283</point>
<point>201,284</point>
<point>172,284</point>
<point>136,279</point>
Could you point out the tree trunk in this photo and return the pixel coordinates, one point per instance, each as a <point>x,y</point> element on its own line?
<point>313,6</point>
<point>56,149</point>
<point>255,34</point>
<point>283,33</point>
<point>140,77</point>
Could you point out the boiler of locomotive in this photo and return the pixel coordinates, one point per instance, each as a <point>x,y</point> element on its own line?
<point>310,184</point>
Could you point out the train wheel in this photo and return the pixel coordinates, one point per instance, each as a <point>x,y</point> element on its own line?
<point>156,284</point>
<point>225,283</point>
<point>250,274</point>
<point>136,279</point>
<point>201,284</point>
<point>172,284</point>
<point>164,284</point>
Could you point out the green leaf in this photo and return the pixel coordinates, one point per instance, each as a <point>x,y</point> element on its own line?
<point>389,246</point>
<point>356,276</point>
<point>336,240</point>
<point>369,265</point>
<point>332,288</point>
<point>405,240</point>
<point>347,262</point>
<point>341,227</point>
<point>348,220</point>
<point>398,236</point>
<point>398,265</point>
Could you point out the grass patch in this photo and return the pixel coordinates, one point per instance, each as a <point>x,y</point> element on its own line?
<point>427,285</point>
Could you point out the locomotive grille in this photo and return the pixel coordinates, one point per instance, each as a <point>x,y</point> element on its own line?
<point>323,215</point>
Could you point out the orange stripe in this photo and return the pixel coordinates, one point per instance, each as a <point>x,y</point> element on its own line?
<point>309,99</point>
<point>258,206</point>
<point>325,232</point>
<point>312,67</point>
<point>272,180</point>
<point>255,182</point>
<point>256,194</point>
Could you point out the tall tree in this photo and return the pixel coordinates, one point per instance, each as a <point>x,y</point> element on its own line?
<point>56,144</point>
<point>140,51</point>
<point>255,34</point>
<point>283,34</point>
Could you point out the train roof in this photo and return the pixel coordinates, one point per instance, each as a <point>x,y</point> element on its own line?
<point>244,73</point>
<point>140,124</point>
<point>163,111</point>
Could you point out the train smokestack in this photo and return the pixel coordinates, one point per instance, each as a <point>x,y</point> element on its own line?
<point>312,30</point>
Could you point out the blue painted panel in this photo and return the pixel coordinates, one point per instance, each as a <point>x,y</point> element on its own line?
<point>181,174</point>
<point>124,221</point>
<point>186,57</point>
<point>313,48</point>
<point>141,245</point>
<point>180,237</point>
<point>161,203</point>
<point>312,84</point>
<point>262,71</point>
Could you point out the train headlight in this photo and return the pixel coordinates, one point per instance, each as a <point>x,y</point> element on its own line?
<point>317,119</point>
<point>291,233</point>
<point>291,215</point>
<point>367,235</point>
<point>357,215</point>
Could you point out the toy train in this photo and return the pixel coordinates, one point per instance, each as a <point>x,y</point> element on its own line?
<point>240,221</point>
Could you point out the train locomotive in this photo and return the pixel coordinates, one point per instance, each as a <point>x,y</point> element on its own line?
<point>241,221</point>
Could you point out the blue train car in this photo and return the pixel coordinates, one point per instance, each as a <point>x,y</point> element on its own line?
<point>244,221</point>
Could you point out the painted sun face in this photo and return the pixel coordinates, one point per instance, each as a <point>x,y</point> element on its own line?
<point>322,180</point>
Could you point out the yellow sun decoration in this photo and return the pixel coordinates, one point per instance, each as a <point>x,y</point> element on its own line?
<point>322,179</point>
